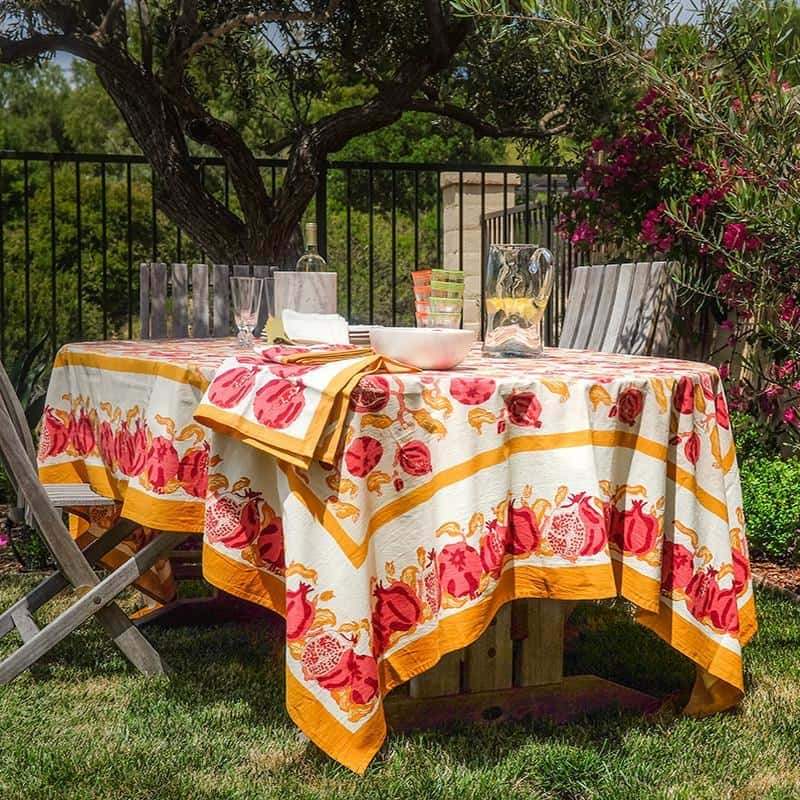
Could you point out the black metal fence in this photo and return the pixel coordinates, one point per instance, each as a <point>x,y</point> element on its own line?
<point>74,227</point>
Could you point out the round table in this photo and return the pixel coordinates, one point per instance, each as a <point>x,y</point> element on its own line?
<point>574,476</point>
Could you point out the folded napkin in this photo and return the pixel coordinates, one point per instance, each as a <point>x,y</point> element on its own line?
<point>328,328</point>
<point>290,401</point>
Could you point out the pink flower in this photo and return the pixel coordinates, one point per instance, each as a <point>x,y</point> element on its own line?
<point>584,234</point>
<point>791,417</point>
<point>5,540</point>
<point>735,236</point>
<point>724,285</point>
<point>789,311</point>
<point>649,98</point>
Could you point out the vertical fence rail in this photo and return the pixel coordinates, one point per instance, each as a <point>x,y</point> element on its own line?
<point>68,256</point>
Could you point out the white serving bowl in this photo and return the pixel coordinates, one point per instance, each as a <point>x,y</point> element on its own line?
<point>426,348</point>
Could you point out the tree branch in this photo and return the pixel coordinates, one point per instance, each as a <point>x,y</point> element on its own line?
<point>181,33</point>
<point>107,23</point>
<point>251,20</point>
<point>12,50</point>
<point>482,128</point>
<point>145,36</point>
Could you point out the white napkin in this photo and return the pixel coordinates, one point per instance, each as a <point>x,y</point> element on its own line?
<point>327,328</point>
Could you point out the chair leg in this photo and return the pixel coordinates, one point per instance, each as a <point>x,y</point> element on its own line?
<point>55,583</point>
<point>131,641</point>
<point>99,601</point>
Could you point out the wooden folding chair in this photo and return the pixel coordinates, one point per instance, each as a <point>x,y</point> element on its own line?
<point>620,308</point>
<point>172,305</point>
<point>74,566</point>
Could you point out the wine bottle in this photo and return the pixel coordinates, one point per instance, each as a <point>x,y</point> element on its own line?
<point>311,260</point>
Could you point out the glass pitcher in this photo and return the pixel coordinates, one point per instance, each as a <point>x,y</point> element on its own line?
<point>519,279</point>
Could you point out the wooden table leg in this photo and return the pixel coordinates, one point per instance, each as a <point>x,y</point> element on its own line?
<point>514,670</point>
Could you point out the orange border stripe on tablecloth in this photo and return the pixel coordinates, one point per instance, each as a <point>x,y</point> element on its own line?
<point>357,552</point>
<point>176,516</point>
<point>140,366</point>
<point>719,684</point>
<point>244,580</point>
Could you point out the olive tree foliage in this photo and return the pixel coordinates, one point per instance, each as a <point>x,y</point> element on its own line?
<point>720,107</point>
<point>181,72</point>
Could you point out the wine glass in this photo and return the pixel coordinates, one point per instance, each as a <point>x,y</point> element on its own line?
<point>246,294</point>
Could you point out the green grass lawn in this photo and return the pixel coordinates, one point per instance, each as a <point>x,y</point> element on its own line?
<point>83,725</point>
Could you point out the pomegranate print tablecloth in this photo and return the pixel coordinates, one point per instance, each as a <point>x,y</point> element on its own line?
<point>290,401</point>
<point>573,476</point>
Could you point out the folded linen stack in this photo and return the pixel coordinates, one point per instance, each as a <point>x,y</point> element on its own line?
<point>291,401</point>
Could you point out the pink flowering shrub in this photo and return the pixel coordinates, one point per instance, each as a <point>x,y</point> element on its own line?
<point>719,192</point>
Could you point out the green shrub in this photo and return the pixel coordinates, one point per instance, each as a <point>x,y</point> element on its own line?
<point>771,492</point>
<point>754,438</point>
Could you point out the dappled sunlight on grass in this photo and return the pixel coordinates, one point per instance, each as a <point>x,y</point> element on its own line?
<point>83,725</point>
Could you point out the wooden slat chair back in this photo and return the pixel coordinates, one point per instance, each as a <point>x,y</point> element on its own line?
<point>73,564</point>
<point>620,308</point>
<point>177,302</point>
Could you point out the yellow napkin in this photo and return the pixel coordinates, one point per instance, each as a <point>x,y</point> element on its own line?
<point>315,432</point>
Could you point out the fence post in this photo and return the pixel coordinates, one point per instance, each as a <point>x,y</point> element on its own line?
<point>466,198</point>
<point>321,209</point>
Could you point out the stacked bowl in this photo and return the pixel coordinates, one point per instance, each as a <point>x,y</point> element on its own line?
<point>439,296</point>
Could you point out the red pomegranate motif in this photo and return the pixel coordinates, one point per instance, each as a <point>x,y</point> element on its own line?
<point>299,612</point>
<point>741,572</point>
<point>524,535</point>
<point>629,405</point>
<point>249,523</point>
<point>635,531</point>
<point>193,470</point>
<point>270,543</point>
<point>322,654</point>
<point>564,531</point>
<point>278,403</point>
<point>370,395</point>
<point>357,672</point>
<point>430,589</point>
<point>472,391</point>
<point>683,399</point>
<point>567,531</point>
<point>229,388</point>
<point>460,570</point>
<point>55,435</point>
<point>493,548</point>
<point>222,518</point>
<point>414,458</point>
<point>82,434</point>
<point>363,456</point>
<point>364,683</point>
<point>106,443</point>
<point>594,525</point>
<point>275,353</point>
<point>161,463</point>
<point>131,448</point>
<point>677,567</point>
<point>289,370</point>
<point>691,448</point>
<point>524,409</point>
<point>721,411</point>
<point>397,608</point>
<point>707,601</point>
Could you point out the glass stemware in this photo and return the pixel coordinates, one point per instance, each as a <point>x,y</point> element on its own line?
<point>246,294</point>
